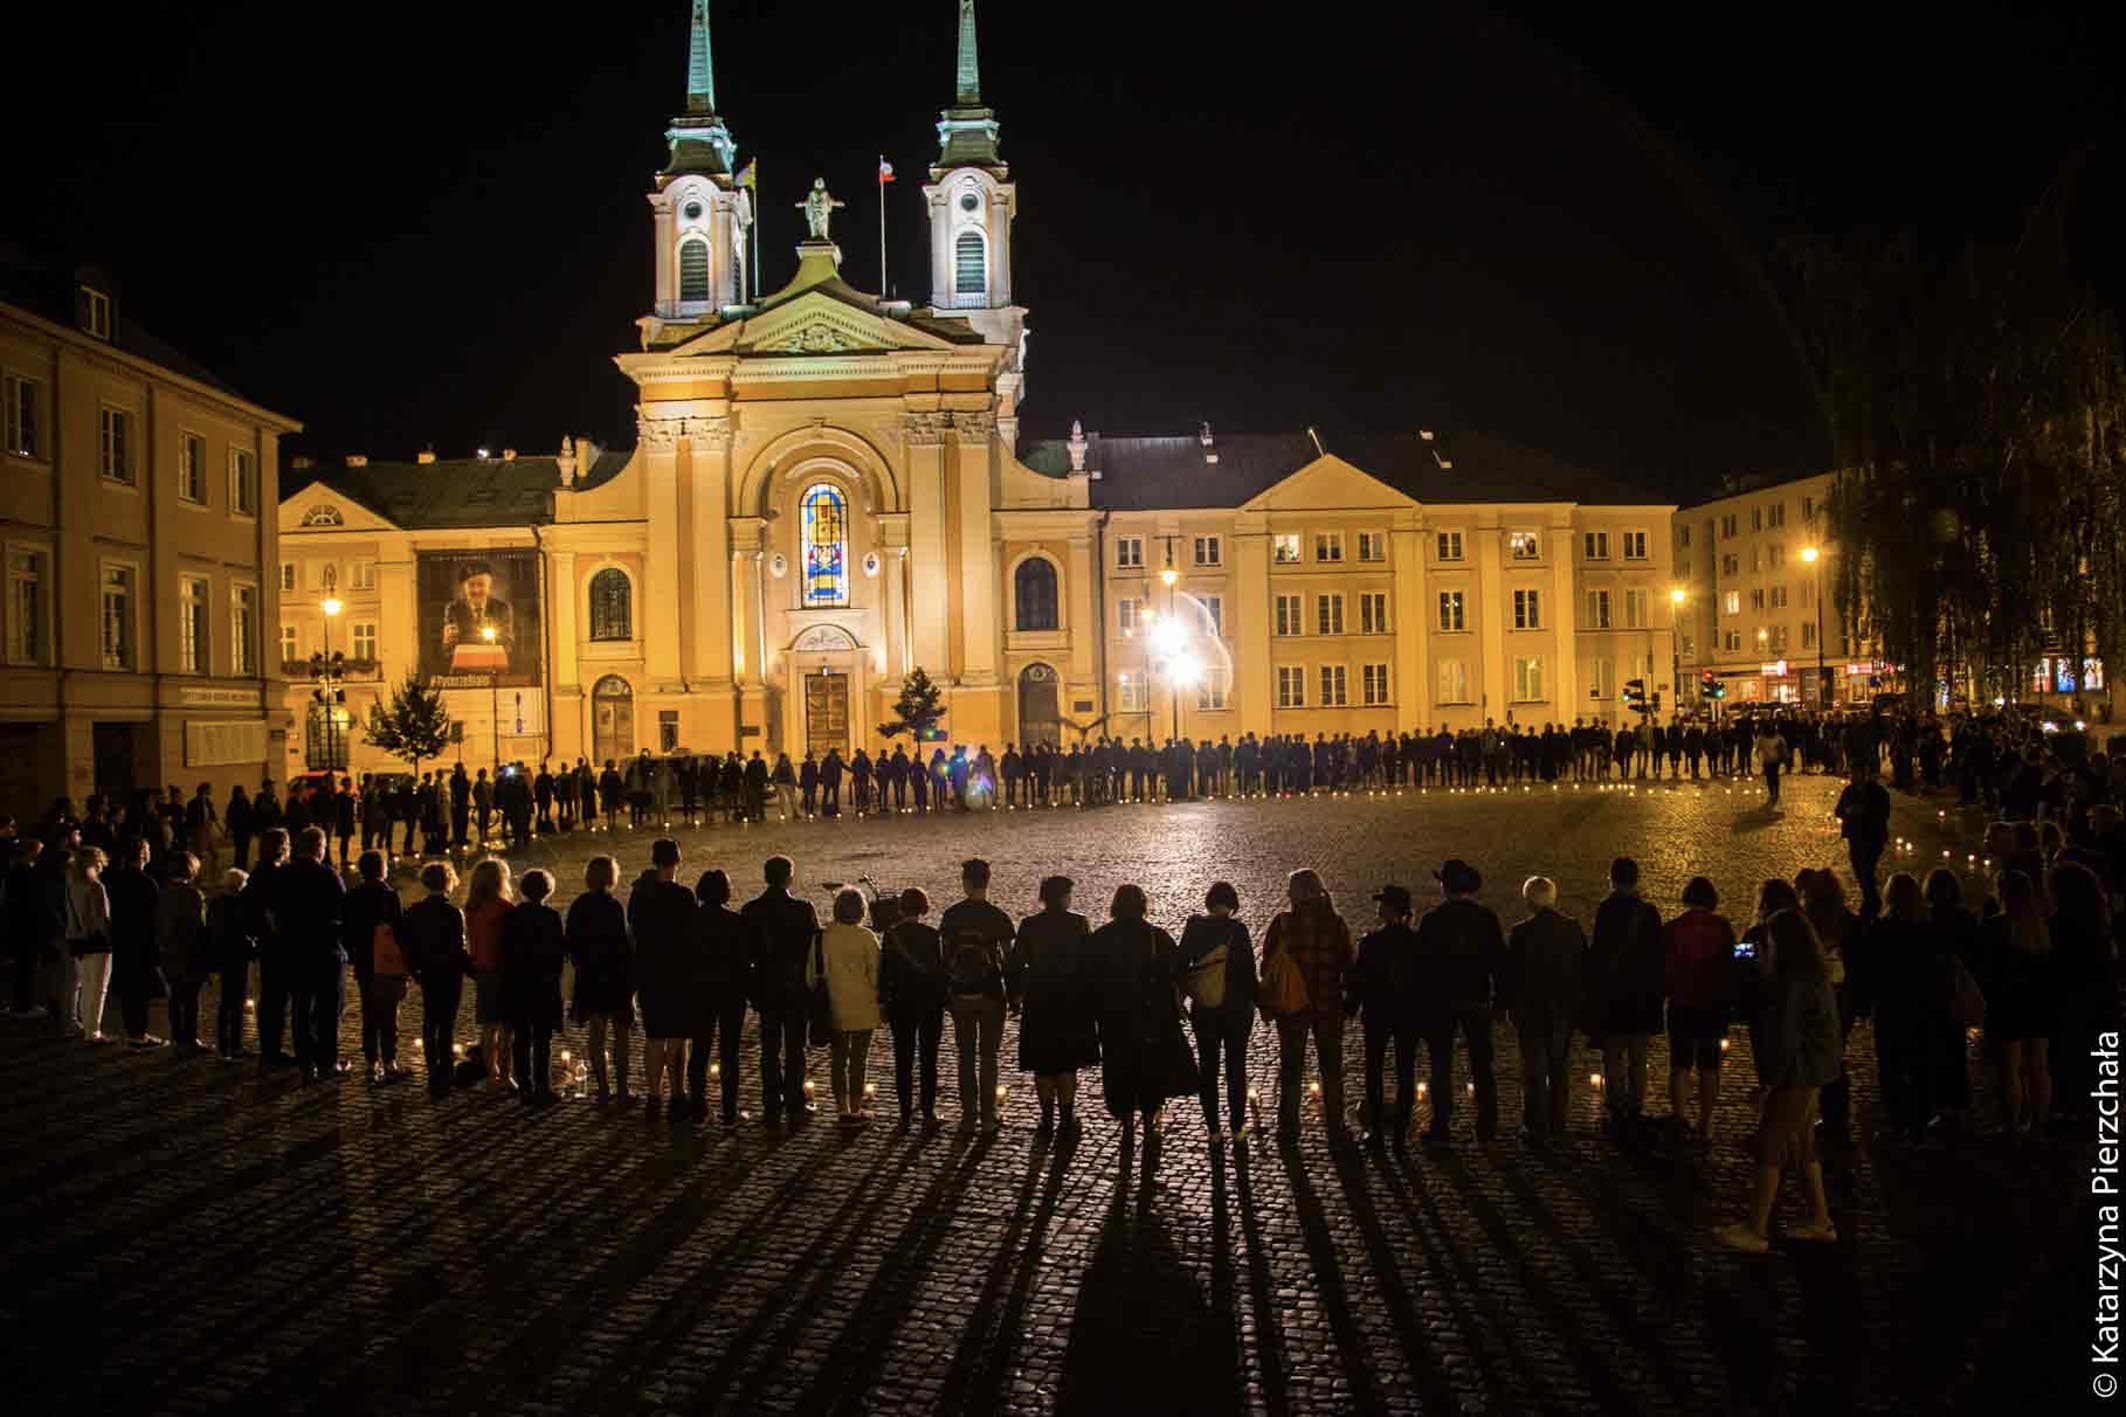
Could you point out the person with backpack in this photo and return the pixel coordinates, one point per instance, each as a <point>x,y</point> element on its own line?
<point>1626,982</point>
<point>1305,956</point>
<point>1049,986</point>
<point>431,934</point>
<point>370,933</point>
<point>1460,954</point>
<point>976,935</point>
<point>913,989</point>
<point>781,928</point>
<point>1218,962</point>
<point>534,947</point>
<point>1381,989</point>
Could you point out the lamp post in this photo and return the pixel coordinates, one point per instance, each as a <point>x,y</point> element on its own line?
<point>1676,596</point>
<point>1812,557</point>
<point>1173,632</point>
<point>326,670</point>
<point>494,703</point>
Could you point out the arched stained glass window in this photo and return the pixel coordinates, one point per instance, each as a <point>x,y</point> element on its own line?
<point>1034,591</point>
<point>825,549</point>
<point>693,269</point>
<point>612,605</point>
<point>971,265</point>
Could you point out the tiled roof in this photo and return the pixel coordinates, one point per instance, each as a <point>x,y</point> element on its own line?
<point>50,291</point>
<point>454,492</point>
<point>1143,474</point>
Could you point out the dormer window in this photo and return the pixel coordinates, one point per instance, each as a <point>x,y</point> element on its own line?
<point>95,312</point>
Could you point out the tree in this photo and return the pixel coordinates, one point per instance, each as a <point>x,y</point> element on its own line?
<point>918,710</point>
<point>414,725</point>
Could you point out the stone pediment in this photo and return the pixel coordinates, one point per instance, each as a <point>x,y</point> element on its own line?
<point>1326,484</point>
<point>321,507</point>
<point>815,323</point>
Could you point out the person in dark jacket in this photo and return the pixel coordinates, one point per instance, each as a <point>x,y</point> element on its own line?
<point>370,936</point>
<point>660,912</point>
<point>1144,1055</point>
<point>912,989</point>
<point>598,947</point>
<point>1699,947</point>
<point>1545,957</point>
<point>1222,1028</point>
<point>976,936</point>
<point>534,947</point>
<point>1626,977</point>
<point>232,948</point>
<point>181,947</point>
<point>259,892</point>
<point>432,936</point>
<point>1863,814</point>
<point>308,910</point>
<point>1048,981</point>
<point>136,975</point>
<point>721,969</point>
<point>1461,949</point>
<point>1382,989</point>
<point>1904,985</point>
<point>240,820</point>
<point>780,929</point>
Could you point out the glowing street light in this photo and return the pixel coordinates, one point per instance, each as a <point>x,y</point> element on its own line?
<point>494,704</point>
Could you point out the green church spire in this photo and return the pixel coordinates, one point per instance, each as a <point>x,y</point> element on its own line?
<point>970,70</point>
<point>701,77</point>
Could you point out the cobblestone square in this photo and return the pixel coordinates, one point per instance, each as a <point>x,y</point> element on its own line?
<point>183,1234</point>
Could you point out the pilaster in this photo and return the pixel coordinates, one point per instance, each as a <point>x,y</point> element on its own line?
<point>662,599</point>
<point>928,582</point>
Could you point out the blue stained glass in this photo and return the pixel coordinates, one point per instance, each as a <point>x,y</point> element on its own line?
<point>825,546</point>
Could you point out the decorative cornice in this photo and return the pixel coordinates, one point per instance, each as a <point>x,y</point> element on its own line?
<point>926,429</point>
<point>974,427</point>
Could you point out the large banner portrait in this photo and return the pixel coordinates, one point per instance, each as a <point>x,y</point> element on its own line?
<point>479,618</point>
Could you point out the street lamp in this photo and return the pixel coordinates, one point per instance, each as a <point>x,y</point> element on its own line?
<point>1676,596</point>
<point>1177,665</point>
<point>1810,557</point>
<point>494,703</point>
<point>326,670</point>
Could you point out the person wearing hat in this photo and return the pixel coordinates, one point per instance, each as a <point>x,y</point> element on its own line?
<point>1461,950</point>
<point>1544,957</point>
<point>1381,988</point>
<point>1627,977</point>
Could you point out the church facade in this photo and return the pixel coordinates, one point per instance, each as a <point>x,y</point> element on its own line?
<point>828,490</point>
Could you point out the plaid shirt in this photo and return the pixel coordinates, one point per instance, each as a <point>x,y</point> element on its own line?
<point>1320,943</point>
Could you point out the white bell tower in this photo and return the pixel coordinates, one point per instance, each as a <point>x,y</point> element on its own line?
<point>701,216</point>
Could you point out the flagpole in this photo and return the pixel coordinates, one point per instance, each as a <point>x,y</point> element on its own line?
<point>754,192</point>
<point>882,291</point>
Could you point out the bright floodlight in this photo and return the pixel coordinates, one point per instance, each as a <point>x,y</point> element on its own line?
<point>1169,635</point>
<point>332,605</point>
<point>1185,670</point>
<point>487,633</point>
<point>1169,576</point>
<point>1676,596</point>
<point>1809,554</point>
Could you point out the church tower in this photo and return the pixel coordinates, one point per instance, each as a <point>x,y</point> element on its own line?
<point>700,214</point>
<point>971,203</point>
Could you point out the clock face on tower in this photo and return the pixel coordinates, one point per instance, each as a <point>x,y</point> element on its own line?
<point>692,211</point>
<point>969,201</point>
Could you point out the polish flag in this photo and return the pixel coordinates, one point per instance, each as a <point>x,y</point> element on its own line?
<point>885,171</point>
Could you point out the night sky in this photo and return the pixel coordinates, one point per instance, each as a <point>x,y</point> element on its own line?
<point>423,225</point>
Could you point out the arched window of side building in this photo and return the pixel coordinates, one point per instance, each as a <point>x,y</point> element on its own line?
<point>1034,594</point>
<point>612,605</point>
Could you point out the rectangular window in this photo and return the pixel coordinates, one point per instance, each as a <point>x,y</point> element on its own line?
<point>1775,556</point>
<point>1596,544</point>
<point>289,651</point>
<point>1210,551</point>
<point>1213,615</point>
<point>1635,545</point>
<point>1778,600</point>
<point>1523,546</point>
<point>117,625</point>
<point>1730,564</point>
<point>1528,680</point>
<point>1453,681</point>
<point>1373,613</point>
<point>1597,610</point>
<point>1450,546</point>
<point>1731,640</point>
<point>1129,552</point>
<point>364,642</point>
<point>1450,611</point>
<point>1601,680</point>
<point>1211,694</point>
<point>1731,602</point>
<point>1756,519</point>
<point>1757,598</point>
<point>1288,616</point>
<point>1373,684</point>
<point>1126,608</point>
<point>1291,686</point>
<point>243,482</point>
<point>1727,527</point>
<point>1334,686</point>
<point>365,575</point>
<point>1328,546</point>
<point>1527,610</point>
<point>1328,614</point>
<point>192,467</point>
<point>1636,604</point>
<point>25,607</point>
<point>1779,638</point>
<point>95,312</point>
<point>23,417</point>
<point>194,597</point>
<point>117,445</point>
<point>1683,536</point>
<point>1775,515</point>
<point>1284,548</point>
<point>1372,546</point>
<point>243,630</point>
<point>1808,635</point>
<point>1132,695</point>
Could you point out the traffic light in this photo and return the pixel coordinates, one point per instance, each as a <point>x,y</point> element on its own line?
<point>1635,694</point>
<point>1709,685</point>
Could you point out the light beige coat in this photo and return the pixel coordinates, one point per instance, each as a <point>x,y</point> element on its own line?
<point>851,953</point>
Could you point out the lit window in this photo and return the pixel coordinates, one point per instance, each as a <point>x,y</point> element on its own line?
<point>243,630</point>
<point>1211,693</point>
<point>826,546</point>
<point>1131,695</point>
<point>1450,611</point>
<point>289,652</point>
<point>23,416</point>
<point>612,605</point>
<point>193,593</point>
<point>1285,548</point>
<point>1528,680</point>
<point>1126,615</point>
<point>365,575</point>
<point>117,622</point>
<point>1454,681</point>
<point>1213,615</point>
<point>1524,546</point>
<point>1731,602</point>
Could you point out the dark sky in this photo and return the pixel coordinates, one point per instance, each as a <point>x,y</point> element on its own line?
<point>423,224</point>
